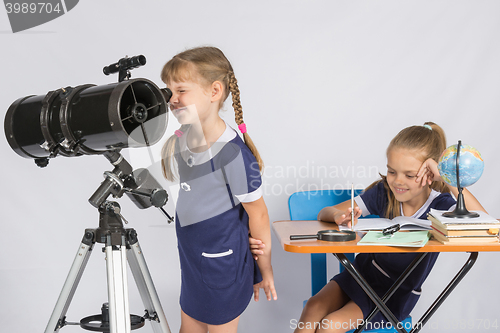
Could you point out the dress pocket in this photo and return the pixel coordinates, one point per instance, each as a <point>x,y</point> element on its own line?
<point>374,263</point>
<point>408,302</point>
<point>218,270</point>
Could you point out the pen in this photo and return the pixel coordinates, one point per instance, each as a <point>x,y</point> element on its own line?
<point>352,206</point>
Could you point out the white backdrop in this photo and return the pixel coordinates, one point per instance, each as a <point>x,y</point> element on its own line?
<point>325,85</point>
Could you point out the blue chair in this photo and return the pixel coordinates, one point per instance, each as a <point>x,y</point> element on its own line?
<point>306,206</point>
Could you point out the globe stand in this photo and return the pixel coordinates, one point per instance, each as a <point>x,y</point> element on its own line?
<point>460,209</point>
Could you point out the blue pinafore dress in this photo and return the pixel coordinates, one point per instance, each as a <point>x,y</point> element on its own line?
<point>217,268</point>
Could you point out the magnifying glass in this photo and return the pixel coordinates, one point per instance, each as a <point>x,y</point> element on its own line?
<point>328,235</point>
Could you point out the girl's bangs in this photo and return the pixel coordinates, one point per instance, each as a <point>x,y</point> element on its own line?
<point>177,70</point>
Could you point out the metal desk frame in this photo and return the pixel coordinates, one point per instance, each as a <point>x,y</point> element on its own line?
<point>283,230</point>
<point>380,302</point>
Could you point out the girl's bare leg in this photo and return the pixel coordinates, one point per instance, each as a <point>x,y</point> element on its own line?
<point>231,327</point>
<point>329,299</point>
<point>344,319</point>
<point>191,325</point>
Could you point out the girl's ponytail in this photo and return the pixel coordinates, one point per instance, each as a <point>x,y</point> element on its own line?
<point>167,154</point>
<point>238,117</point>
<point>436,148</point>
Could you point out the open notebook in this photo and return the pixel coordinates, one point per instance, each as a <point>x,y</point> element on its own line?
<point>405,222</point>
<point>404,239</point>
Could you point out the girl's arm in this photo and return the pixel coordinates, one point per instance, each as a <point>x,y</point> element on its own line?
<point>429,172</point>
<point>261,230</point>
<point>340,214</point>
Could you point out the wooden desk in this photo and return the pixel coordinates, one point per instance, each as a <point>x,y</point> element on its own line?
<point>283,230</point>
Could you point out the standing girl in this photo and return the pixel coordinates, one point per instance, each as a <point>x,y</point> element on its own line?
<point>411,188</point>
<point>220,196</point>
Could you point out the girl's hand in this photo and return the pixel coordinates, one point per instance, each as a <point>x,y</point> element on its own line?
<point>344,218</point>
<point>267,284</point>
<point>428,173</point>
<point>256,247</point>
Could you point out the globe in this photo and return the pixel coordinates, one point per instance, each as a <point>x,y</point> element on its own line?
<point>470,168</point>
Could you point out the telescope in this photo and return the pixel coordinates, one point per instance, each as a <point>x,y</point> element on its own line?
<point>88,119</point>
<point>101,120</point>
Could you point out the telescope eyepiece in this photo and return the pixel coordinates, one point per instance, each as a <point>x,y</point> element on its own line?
<point>135,62</point>
<point>167,94</point>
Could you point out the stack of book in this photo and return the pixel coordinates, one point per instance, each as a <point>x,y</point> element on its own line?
<point>482,229</point>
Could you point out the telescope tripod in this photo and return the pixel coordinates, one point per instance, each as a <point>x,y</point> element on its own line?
<point>120,244</point>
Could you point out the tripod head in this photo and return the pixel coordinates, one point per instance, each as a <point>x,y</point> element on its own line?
<point>141,187</point>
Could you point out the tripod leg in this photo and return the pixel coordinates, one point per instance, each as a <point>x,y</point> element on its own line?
<point>116,266</point>
<point>145,285</point>
<point>57,318</point>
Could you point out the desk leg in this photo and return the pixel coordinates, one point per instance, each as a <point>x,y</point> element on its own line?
<point>393,289</point>
<point>369,291</point>
<point>446,292</point>
<point>318,272</point>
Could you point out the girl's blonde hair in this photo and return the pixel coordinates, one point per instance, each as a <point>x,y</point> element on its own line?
<point>207,64</point>
<point>428,141</point>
